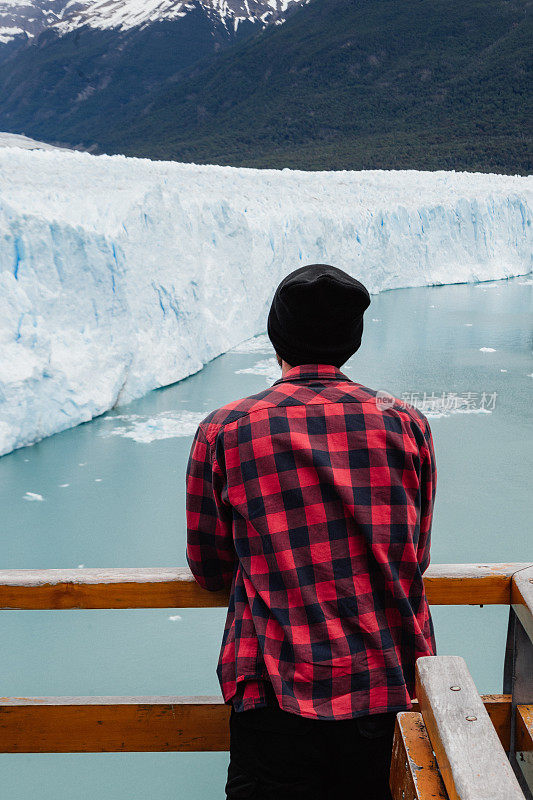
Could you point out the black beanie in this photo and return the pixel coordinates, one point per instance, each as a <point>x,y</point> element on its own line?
<point>316,316</point>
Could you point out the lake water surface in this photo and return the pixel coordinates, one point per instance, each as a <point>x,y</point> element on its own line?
<point>110,493</point>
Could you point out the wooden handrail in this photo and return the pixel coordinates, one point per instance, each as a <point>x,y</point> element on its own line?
<point>446,584</point>
<point>112,724</point>
<point>141,724</point>
<point>472,762</point>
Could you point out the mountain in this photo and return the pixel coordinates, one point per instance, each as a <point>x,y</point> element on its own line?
<point>62,61</point>
<point>63,16</point>
<point>423,84</point>
<point>342,84</point>
<point>29,19</point>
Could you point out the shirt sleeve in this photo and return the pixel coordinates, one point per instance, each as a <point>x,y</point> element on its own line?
<point>428,489</point>
<point>210,549</point>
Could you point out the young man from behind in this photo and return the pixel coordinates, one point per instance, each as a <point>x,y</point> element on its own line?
<point>313,502</point>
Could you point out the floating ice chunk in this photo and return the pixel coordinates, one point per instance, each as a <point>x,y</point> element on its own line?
<point>26,459</point>
<point>530,375</point>
<point>81,566</point>
<point>436,413</point>
<point>82,464</point>
<point>33,496</point>
<point>268,367</point>
<point>166,425</point>
<point>487,349</point>
<point>376,319</point>
<point>468,324</point>
<point>503,370</point>
<point>63,485</point>
<point>259,344</point>
<point>98,480</point>
<point>175,618</point>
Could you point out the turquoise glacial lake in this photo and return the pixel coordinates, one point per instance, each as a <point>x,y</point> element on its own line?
<point>110,493</point>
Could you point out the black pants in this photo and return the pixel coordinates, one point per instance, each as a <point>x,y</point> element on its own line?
<point>275,755</point>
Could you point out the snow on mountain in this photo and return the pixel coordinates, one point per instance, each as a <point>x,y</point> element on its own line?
<point>121,275</point>
<point>64,16</point>
<point>29,18</point>
<point>125,14</point>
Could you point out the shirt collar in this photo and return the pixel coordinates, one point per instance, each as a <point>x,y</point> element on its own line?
<point>315,372</point>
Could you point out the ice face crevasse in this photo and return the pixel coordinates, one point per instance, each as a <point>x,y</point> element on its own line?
<point>121,275</point>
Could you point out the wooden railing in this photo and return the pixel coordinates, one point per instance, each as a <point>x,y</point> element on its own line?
<point>112,724</point>
<point>446,584</point>
<point>454,748</point>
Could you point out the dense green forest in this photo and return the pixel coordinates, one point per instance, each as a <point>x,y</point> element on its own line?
<point>343,84</point>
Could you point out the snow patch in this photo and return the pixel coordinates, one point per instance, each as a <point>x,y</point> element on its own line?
<point>33,497</point>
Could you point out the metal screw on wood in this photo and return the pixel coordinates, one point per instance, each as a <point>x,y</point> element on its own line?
<point>455,688</point>
<point>471,719</point>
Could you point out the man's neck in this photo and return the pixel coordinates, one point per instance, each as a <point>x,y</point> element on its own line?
<point>285,368</point>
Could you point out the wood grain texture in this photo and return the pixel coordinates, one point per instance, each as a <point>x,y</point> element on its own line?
<point>453,584</point>
<point>522,598</point>
<point>113,724</point>
<point>524,729</point>
<point>470,584</point>
<point>471,759</point>
<point>105,588</point>
<point>109,724</point>
<point>414,771</point>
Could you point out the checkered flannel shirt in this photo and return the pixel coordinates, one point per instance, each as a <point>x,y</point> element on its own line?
<point>313,501</point>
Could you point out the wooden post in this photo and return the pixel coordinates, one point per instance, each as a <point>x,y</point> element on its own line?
<point>471,759</point>
<point>518,669</point>
<point>414,771</point>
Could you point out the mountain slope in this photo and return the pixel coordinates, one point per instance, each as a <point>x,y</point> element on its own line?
<point>343,84</point>
<point>86,60</point>
<point>29,19</point>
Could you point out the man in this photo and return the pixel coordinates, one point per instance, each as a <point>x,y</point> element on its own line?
<point>313,501</point>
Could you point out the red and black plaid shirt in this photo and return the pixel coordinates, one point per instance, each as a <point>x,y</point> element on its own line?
<point>314,501</point>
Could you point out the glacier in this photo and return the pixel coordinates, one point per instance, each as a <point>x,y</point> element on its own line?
<point>121,275</point>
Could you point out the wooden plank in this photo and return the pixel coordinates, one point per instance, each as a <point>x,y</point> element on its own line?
<point>105,588</point>
<point>112,724</point>
<point>471,759</point>
<point>499,709</point>
<point>452,584</point>
<point>96,724</point>
<point>522,598</point>
<point>470,584</point>
<point>414,771</point>
<point>524,729</point>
